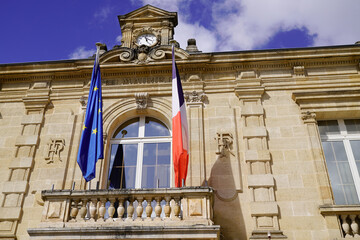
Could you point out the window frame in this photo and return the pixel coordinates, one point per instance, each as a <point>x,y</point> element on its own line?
<point>345,138</point>
<point>140,141</point>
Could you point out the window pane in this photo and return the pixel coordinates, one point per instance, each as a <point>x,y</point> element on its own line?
<point>123,165</point>
<point>355,147</point>
<point>156,165</point>
<point>352,125</point>
<point>128,129</point>
<point>155,128</point>
<point>328,127</point>
<point>341,179</point>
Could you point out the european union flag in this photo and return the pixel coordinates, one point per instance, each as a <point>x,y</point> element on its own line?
<point>91,144</point>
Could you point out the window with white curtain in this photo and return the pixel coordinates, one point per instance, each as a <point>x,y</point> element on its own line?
<point>341,144</point>
<point>140,155</point>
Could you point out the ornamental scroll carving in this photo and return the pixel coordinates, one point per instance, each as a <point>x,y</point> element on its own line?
<point>55,146</point>
<point>141,100</point>
<point>194,97</point>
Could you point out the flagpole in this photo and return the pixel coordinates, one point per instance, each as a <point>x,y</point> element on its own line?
<point>91,147</point>
<point>180,138</point>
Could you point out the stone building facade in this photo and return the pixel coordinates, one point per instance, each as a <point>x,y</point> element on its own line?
<point>273,142</point>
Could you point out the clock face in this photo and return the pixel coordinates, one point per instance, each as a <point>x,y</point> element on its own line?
<point>146,39</point>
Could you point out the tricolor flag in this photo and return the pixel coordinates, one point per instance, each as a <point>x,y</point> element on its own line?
<point>180,136</point>
<point>91,144</point>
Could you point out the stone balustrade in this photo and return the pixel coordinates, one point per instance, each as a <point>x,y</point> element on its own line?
<point>144,207</point>
<point>347,218</point>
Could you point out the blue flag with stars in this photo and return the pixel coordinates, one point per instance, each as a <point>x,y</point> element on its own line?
<point>91,144</point>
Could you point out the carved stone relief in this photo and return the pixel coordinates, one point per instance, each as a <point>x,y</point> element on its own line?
<point>141,100</point>
<point>194,97</point>
<point>55,146</point>
<point>224,142</point>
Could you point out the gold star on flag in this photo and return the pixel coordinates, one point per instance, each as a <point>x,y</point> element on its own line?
<point>99,110</point>
<point>84,127</point>
<point>95,88</point>
<point>94,131</point>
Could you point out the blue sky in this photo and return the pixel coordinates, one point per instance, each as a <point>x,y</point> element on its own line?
<point>42,30</point>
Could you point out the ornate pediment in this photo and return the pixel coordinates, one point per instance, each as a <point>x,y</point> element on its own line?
<point>142,54</point>
<point>147,11</point>
<point>150,23</point>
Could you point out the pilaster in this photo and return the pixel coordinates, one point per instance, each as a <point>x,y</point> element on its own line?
<point>16,187</point>
<point>195,104</point>
<point>263,207</point>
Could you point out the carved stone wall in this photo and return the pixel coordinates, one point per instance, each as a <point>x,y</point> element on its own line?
<point>17,184</point>
<point>263,207</point>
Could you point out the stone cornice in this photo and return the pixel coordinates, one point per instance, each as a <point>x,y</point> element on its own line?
<point>249,60</point>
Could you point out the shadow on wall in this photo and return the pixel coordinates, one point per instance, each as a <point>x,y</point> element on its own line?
<point>227,209</point>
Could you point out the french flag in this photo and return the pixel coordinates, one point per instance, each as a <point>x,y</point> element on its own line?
<point>180,136</point>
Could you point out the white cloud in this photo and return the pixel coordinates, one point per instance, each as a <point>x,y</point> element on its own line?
<point>205,38</point>
<point>250,24</point>
<point>102,13</point>
<point>81,52</point>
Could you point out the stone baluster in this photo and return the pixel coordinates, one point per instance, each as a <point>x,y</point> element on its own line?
<point>74,211</point>
<point>102,210</point>
<point>93,209</point>
<point>139,208</point>
<point>120,209</point>
<point>354,226</point>
<point>130,210</point>
<point>345,226</point>
<point>148,208</point>
<point>158,208</point>
<point>177,208</point>
<point>111,210</point>
<point>167,208</point>
<point>83,209</point>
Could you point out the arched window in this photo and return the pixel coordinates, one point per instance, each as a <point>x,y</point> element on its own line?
<point>140,154</point>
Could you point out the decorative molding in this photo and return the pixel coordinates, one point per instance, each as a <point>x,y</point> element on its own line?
<point>308,117</point>
<point>299,71</point>
<point>224,142</point>
<point>141,100</point>
<point>83,101</point>
<point>195,97</point>
<point>126,54</point>
<point>55,146</point>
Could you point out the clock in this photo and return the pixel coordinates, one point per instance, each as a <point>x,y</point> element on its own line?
<point>146,39</point>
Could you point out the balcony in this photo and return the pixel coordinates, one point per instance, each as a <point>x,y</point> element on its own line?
<point>345,218</point>
<point>168,213</point>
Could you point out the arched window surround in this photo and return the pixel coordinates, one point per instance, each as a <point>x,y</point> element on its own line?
<point>120,112</point>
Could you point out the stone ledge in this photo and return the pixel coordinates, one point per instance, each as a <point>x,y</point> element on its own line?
<point>87,233</point>
<point>263,234</point>
<point>339,209</point>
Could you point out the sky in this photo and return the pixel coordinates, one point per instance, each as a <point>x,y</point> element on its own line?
<point>47,30</point>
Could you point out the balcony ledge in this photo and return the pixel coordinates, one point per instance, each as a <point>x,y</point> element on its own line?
<point>127,232</point>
